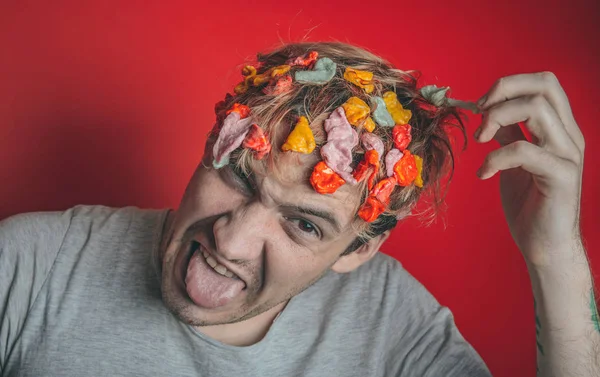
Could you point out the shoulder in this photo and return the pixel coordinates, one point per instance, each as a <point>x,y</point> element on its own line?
<point>378,293</point>
<point>26,226</point>
<point>385,281</point>
<point>39,236</point>
<point>414,333</point>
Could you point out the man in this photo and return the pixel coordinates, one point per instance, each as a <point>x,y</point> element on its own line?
<point>270,266</point>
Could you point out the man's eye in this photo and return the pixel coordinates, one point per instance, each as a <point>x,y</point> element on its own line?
<point>305,226</point>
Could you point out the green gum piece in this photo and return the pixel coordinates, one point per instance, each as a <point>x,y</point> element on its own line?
<point>435,95</point>
<point>381,115</point>
<point>219,165</point>
<point>322,72</point>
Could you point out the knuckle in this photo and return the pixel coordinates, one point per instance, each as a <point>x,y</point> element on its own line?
<point>520,146</point>
<point>569,173</point>
<point>538,102</point>
<point>549,78</point>
<point>580,141</point>
<point>490,116</point>
<point>499,84</point>
<point>490,158</point>
<point>574,155</point>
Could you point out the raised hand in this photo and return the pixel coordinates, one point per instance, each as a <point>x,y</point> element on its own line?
<point>540,181</point>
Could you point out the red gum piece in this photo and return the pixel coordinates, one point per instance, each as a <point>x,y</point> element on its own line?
<point>405,169</point>
<point>257,141</point>
<point>371,209</point>
<point>324,180</point>
<point>243,110</point>
<point>305,62</point>
<point>370,160</point>
<point>383,189</point>
<point>282,85</point>
<point>402,136</point>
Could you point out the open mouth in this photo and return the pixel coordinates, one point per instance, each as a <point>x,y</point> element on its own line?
<point>211,261</point>
<point>208,283</point>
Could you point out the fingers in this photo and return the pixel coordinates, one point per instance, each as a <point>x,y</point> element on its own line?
<point>522,154</point>
<point>509,134</point>
<point>545,84</point>
<point>539,117</point>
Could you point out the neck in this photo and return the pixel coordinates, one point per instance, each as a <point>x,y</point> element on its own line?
<point>244,333</point>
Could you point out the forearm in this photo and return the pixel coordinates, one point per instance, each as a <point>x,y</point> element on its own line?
<point>568,336</point>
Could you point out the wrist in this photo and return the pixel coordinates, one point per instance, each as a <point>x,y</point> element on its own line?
<point>550,259</point>
<point>565,272</point>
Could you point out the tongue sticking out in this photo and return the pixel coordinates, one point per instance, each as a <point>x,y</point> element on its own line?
<point>206,287</point>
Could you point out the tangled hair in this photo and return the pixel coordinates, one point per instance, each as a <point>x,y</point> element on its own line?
<point>277,115</point>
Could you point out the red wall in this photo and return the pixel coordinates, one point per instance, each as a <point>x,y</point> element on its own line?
<point>107,103</point>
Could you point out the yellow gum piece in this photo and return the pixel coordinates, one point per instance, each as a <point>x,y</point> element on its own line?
<point>419,163</point>
<point>362,79</point>
<point>369,124</point>
<point>252,79</point>
<point>394,107</point>
<point>265,77</point>
<point>301,139</point>
<point>249,72</point>
<point>357,112</point>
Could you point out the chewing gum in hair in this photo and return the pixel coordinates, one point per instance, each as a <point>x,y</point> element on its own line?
<point>381,114</point>
<point>390,160</point>
<point>249,72</point>
<point>402,136</point>
<point>383,189</point>
<point>278,86</point>
<point>406,169</point>
<point>370,141</point>
<point>305,62</point>
<point>419,179</point>
<point>230,137</point>
<point>437,97</point>
<point>301,139</point>
<point>243,110</point>
<point>323,71</point>
<point>398,113</point>
<point>369,125</point>
<point>341,139</point>
<point>371,209</point>
<point>272,73</point>
<point>357,112</point>
<point>370,161</point>
<point>324,180</point>
<point>257,141</point>
<point>362,79</point>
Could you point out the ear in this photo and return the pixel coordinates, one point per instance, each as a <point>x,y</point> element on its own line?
<point>361,255</point>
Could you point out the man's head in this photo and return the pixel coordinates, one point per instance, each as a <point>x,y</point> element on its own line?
<point>262,221</point>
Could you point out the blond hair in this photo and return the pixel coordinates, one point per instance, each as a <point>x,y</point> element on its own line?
<point>277,114</point>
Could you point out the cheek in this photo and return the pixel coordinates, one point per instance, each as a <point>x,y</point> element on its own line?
<point>290,268</point>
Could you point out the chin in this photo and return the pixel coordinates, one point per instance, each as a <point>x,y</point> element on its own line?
<point>177,299</point>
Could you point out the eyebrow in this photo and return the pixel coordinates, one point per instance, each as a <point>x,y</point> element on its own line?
<point>327,216</point>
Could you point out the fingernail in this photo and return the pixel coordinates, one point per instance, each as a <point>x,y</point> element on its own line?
<point>482,101</point>
<point>477,133</point>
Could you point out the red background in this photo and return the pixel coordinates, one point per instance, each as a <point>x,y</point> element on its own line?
<point>109,103</point>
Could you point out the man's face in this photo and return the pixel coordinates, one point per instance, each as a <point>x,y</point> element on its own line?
<point>271,238</point>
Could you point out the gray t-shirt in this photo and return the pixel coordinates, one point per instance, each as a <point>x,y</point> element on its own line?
<point>80,296</point>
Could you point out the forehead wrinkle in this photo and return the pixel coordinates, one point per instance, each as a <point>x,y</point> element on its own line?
<point>301,195</point>
<point>286,180</point>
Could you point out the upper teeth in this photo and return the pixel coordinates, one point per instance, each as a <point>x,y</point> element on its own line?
<point>216,266</point>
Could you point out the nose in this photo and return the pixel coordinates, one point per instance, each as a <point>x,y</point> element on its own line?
<point>241,234</point>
